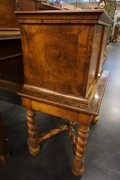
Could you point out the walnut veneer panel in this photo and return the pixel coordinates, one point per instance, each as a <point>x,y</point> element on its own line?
<point>103,48</point>
<point>55,60</point>
<point>95,56</point>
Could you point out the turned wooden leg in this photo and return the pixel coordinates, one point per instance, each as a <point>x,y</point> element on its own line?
<point>72,134</point>
<point>33,143</point>
<point>95,119</point>
<point>4,153</point>
<point>81,142</point>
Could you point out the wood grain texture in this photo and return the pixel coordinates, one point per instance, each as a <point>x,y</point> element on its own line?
<point>39,99</point>
<point>64,16</point>
<point>103,48</point>
<point>7,16</point>
<point>48,67</point>
<point>94,57</point>
<point>75,63</point>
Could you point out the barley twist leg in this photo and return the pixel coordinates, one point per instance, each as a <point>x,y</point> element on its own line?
<point>33,143</point>
<point>78,163</point>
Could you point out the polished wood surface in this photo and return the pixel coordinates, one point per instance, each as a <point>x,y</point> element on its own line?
<point>26,5</point>
<point>38,101</point>
<point>4,152</point>
<point>78,78</point>
<point>62,57</point>
<point>7,16</point>
<point>103,48</point>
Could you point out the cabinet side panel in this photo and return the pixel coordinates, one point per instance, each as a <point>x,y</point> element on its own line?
<point>94,57</point>
<point>103,48</point>
<point>54,57</point>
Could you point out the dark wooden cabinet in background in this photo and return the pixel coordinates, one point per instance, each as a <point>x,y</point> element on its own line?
<point>7,16</point>
<point>11,66</point>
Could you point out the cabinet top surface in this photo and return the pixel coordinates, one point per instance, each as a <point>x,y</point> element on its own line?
<point>99,16</point>
<point>62,11</point>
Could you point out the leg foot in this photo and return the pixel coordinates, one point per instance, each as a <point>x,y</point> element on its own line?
<point>95,119</point>
<point>78,163</point>
<point>33,143</point>
<point>78,172</point>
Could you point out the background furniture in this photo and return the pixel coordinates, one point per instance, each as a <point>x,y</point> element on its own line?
<point>11,67</point>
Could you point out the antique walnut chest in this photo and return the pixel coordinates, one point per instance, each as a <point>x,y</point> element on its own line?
<point>62,57</point>
<point>62,50</point>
